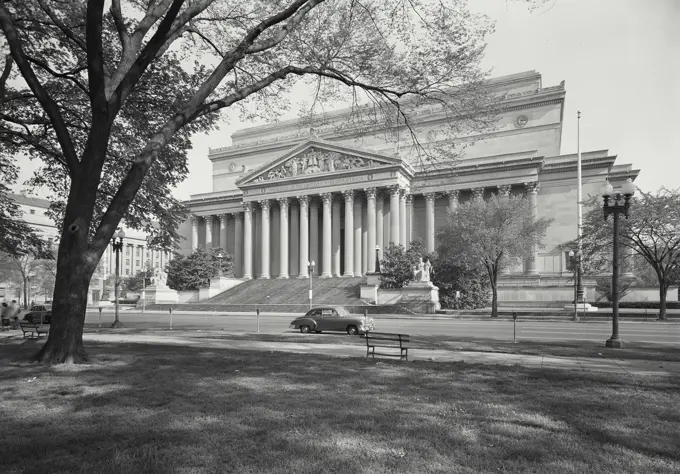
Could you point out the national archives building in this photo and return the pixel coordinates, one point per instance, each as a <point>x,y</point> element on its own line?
<point>283,196</point>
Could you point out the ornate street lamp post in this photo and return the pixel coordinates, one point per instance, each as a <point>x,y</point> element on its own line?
<point>220,257</point>
<point>578,287</point>
<point>117,247</point>
<point>310,271</point>
<point>616,208</point>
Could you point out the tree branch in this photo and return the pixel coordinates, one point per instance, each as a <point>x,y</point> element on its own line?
<point>36,87</point>
<point>68,32</point>
<point>285,29</point>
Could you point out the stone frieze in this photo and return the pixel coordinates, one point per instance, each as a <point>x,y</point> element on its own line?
<point>316,161</point>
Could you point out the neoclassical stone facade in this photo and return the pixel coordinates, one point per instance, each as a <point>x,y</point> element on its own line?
<point>283,196</point>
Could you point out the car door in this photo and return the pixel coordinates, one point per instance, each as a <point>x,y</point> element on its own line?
<point>317,317</point>
<point>335,322</point>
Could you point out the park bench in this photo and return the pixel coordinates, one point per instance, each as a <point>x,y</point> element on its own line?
<point>389,341</point>
<point>34,331</point>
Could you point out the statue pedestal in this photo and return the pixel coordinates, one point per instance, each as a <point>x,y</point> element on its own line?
<point>218,285</point>
<point>158,294</point>
<point>369,290</point>
<point>422,291</point>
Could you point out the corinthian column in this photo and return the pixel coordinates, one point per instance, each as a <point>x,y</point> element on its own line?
<point>370,222</point>
<point>208,232</point>
<point>349,232</point>
<point>402,218</point>
<point>504,190</point>
<point>194,233</point>
<point>327,199</point>
<point>238,244</point>
<point>264,251</point>
<point>223,231</point>
<point>532,195</point>
<point>314,232</point>
<point>477,193</point>
<point>304,235</point>
<point>283,237</point>
<point>394,214</point>
<point>429,222</point>
<point>336,237</point>
<point>248,240</point>
<point>357,235</point>
<point>409,218</point>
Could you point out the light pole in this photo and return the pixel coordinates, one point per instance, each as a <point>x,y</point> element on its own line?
<point>616,208</point>
<point>117,247</point>
<point>310,270</point>
<point>578,288</point>
<point>220,256</point>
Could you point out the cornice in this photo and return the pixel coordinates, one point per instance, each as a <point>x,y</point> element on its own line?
<point>586,163</point>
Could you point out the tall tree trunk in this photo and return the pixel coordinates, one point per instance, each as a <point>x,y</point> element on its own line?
<point>493,274</point>
<point>65,341</point>
<point>663,291</point>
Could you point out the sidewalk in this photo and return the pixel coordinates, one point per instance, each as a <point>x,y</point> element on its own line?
<point>631,367</point>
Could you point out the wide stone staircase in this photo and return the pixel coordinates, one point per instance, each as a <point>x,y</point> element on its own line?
<point>285,296</point>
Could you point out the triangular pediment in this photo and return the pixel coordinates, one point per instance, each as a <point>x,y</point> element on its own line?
<point>313,158</point>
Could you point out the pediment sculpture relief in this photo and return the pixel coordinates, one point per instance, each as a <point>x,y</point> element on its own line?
<point>316,161</point>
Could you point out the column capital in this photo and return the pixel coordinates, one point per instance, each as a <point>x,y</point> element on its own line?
<point>304,200</point>
<point>283,202</point>
<point>504,189</point>
<point>248,206</point>
<point>265,204</point>
<point>195,220</point>
<point>395,189</point>
<point>478,193</point>
<point>326,197</point>
<point>238,217</point>
<point>532,187</point>
<point>349,195</point>
<point>452,193</point>
<point>403,192</point>
<point>371,193</point>
<point>224,218</point>
<point>409,199</point>
<point>429,196</point>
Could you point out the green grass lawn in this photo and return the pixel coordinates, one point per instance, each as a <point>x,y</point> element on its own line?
<point>139,408</point>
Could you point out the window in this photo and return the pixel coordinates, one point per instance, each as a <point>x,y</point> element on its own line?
<point>127,250</point>
<point>32,211</point>
<point>156,265</point>
<point>137,263</point>
<point>127,261</point>
<point>127,272</point>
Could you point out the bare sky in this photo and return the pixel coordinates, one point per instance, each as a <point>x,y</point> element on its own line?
<point>619,59</point>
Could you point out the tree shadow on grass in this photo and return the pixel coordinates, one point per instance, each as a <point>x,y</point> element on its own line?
<point>161,408</point>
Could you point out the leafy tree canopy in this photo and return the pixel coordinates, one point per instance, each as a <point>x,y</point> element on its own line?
<point>491,235</point>
<point>195,271</point>
<point>396,267</point>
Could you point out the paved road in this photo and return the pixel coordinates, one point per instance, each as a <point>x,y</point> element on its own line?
<point>649,332</point>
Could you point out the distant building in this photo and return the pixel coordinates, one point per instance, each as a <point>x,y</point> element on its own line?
<point>283,196</point>
<point>134,255</point>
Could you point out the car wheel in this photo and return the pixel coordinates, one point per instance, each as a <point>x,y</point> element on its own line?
<point>352,330</point>
<point>304,329</point>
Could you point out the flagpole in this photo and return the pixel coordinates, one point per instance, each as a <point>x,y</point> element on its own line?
<point>579,212</point>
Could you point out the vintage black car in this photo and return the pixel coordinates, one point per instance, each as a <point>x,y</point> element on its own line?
<point>330,318</point>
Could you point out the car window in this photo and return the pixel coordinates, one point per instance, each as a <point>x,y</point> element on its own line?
<point>315,314</point>
<point>36,308</point>
<point>343,312</point>
<point>328,313</point>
